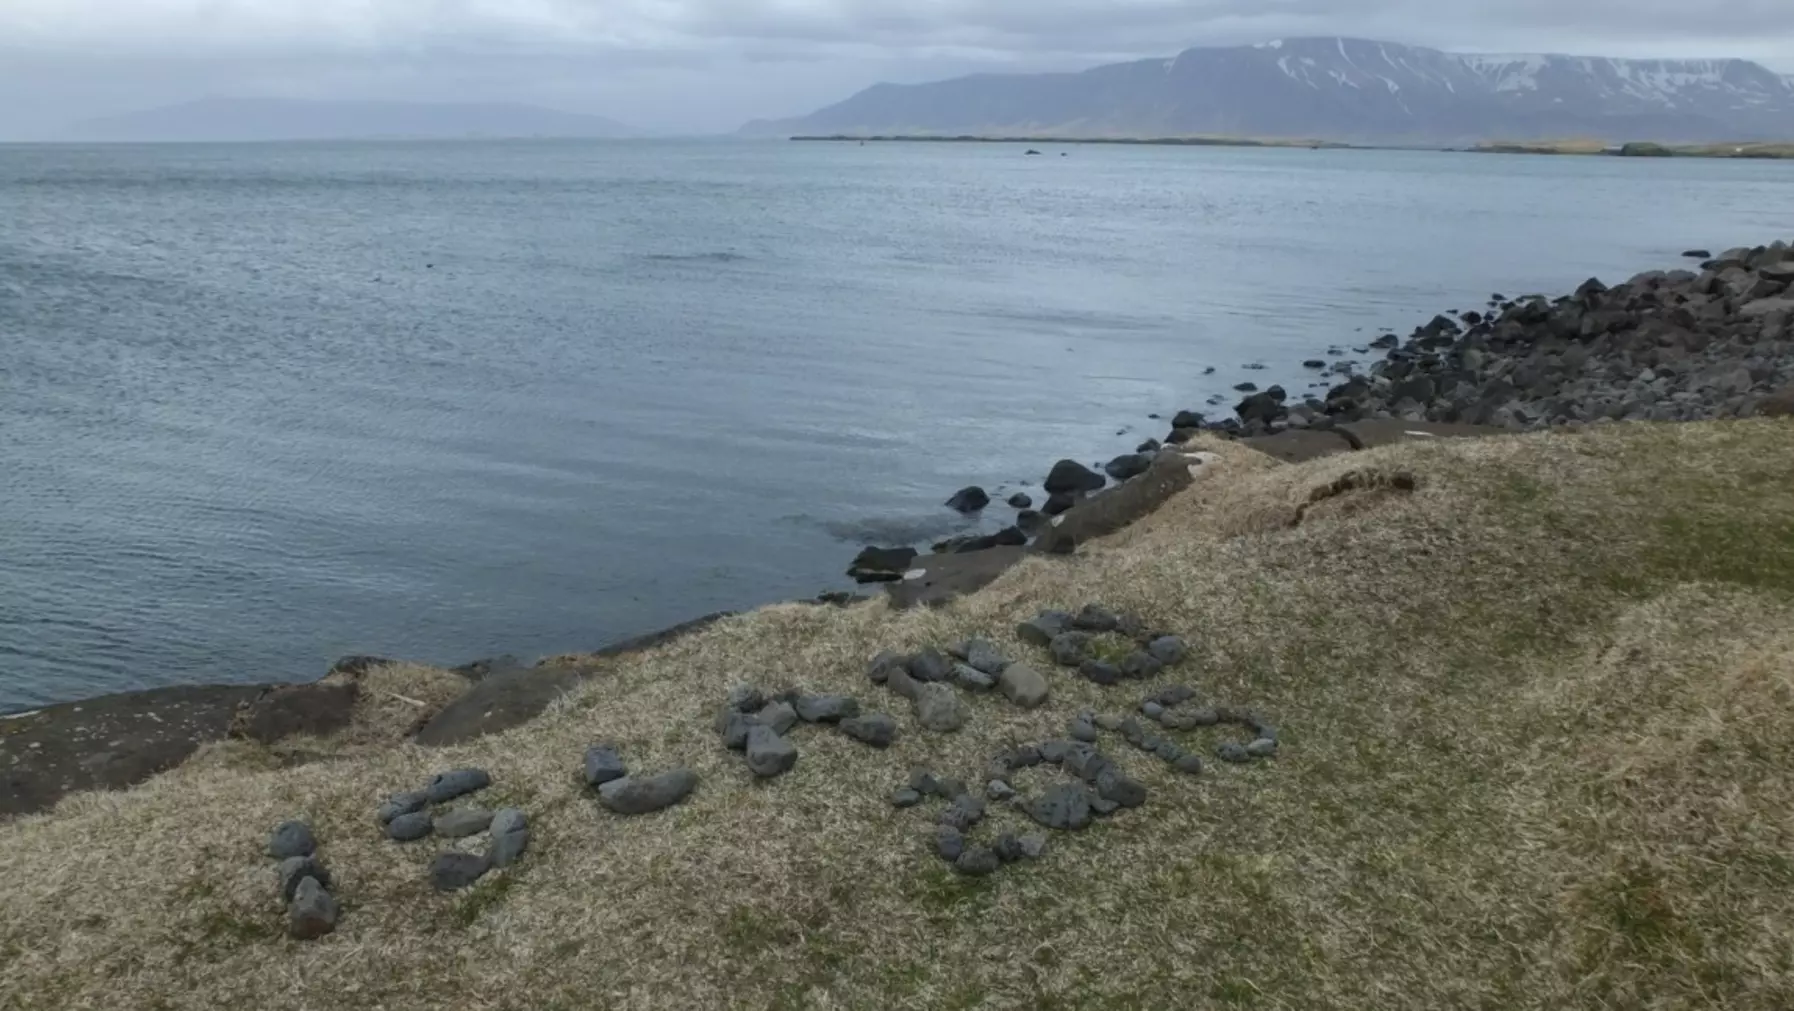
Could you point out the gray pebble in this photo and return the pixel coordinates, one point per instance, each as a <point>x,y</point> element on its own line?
<point>998,790</point>
<point>1008,848</point>
<point>949,843</point>
<point>402,803</point>
<point>446,786</point>
<point>1264,747</point>
<point>923,782</point>
<point>1264,730</point>
<point>463,822</point>
<point>1041,629</point>
<point>746,698</point>
<point>1134,732</point>
<point>929,665</point>
<point>1085,762</point>
<point>1140,666</point>
<point>735,729</point>
<point>1025,757</point>
<point>296,869</point>
<point>1054,752</point>
<point>976,862</point>
<point>965,812</point>
<point>1103,807</point>
<point>410,827</point>
<point>875,729</point>
<point>645,794</point>
<point>1082,730</point>
<point>1152,710</point>
<point>1109,722</point>
<point>1070,649</point>
<point>778,717</point>
<point>939,708</point>
<point>292,839</point>
<point>1231,752</point>
<point>1033,845</point>
<point>768,754</point>
<point>603,764</point>
<point>1065,806</point>
<point>827,708</point>
<point>1168,750</point>
<point>1123,790</point>
<point>905,797</point>
<point>453,871</point>
<point>1190,763</point>
<point>510,837</point>
<point>879,671</point>
<point>1099,673</point>
<point>1178,721</point>
<point>948,788</point>
<point>972,679</point>
<point>1168,649</point>
<point>1095,618</point>
<point>508,819</point>
<point>1175,695</point>
<point>313,912</point>
<point>983,655</point>
<point>1207,716</point>
<point>1023,685</point>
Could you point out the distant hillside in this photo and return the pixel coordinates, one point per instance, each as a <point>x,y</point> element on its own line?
<point>1350,90</point>
<point>265,119</point>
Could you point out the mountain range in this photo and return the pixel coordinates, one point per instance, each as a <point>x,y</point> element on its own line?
<point>272,119</point>
<point>1336,89</point>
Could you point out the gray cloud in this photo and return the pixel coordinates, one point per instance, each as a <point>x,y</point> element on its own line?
<point>707,64</point>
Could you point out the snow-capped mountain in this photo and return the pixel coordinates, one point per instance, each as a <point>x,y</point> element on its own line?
<point>1339,89</point>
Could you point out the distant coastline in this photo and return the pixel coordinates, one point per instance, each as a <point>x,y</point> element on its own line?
<point>1640,149</point>
<point>1024,139</point>
<point>1633,149</point>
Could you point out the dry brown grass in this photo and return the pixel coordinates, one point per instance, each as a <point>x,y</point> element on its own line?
<point>1537,727</point>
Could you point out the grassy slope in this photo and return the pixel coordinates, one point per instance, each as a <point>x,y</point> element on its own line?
<point>1539,752</point>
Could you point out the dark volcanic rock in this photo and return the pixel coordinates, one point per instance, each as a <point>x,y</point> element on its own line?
<point>1021,500</point>
<point>984,655</point>
<point>293,870</point>
<point>1060,502</point>
<point>878,565</point>
<point>603,764</point>
<point>949,842</point>
<point>1071,477</point>
<point>454,871</point>
<point>313,912</point>
<point>1100,672</point>
<point>510,837</point>
<point>977,861</point>
<point>1095,618</point>
<point>768,754</point>
<point>826,708</point>
<point>1168,649</point>
<point>1065,807</point>
<point>463,822</point>
<point>1140,666</point>
<point>1127,465</point>
<point>969,500</point>
<point>646,794</point>
<point>884,663</point>
<point>446,786</point>
<point>410,827</point>
<point>1070,649</point>
<point>875,729</point>
<point>291,839</point>
<point>1023,685</point>
<point>929,665</point>
<point>1041,629</point>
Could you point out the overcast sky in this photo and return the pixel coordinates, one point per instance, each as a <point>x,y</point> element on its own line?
<point>709,65</point>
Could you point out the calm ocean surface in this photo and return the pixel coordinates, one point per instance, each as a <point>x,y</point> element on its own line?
<point>261,406</point>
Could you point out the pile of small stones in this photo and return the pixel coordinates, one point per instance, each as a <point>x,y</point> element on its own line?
<point>407,818</point>
<point>304,881</point>
<point>1072,638</point>
<point>621,793</point>
<point>757,725</point>
<point>954,825</point>
<point>1162,708</point>
<point>928,678</point>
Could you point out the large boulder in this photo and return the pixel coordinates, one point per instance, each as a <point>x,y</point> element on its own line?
<point>1127,465</point>
<point>1071,477</point>
<point>969,500</point>
<point>881,565</point>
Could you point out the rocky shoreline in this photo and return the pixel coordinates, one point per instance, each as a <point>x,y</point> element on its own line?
<point>1665,345</point>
